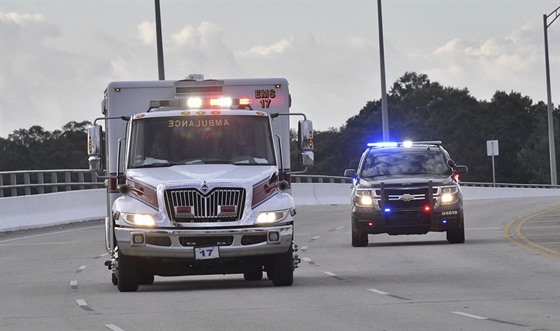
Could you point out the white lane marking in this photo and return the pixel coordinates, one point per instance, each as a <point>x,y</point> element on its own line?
<point>81,268</point>
<point>470,315</point>
<point>377,291</point>
<point>113,327</point>
<point>83,304</point>
<point>483,229</point>
<point>74,284</point>
<point>332,274</point>
<point>316,237</point>
<point>304,248</point>
<point>50,233</point>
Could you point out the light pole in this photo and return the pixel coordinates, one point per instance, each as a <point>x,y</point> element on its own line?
<point>384,112</point>
<point>161,70</point>
<point>552,153</point>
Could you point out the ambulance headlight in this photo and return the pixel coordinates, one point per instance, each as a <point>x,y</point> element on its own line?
<point>268,217</point>
<point>449,195</point>
<point>146,220</point>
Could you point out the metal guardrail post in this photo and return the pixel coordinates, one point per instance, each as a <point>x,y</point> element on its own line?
<point>54,180</point>
<point>27,181</point>
<point>13,181</point>
<point>40,180</point>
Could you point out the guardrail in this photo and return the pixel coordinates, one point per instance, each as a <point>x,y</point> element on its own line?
<point>32,182</point>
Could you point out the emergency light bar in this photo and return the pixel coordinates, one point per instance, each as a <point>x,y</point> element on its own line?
<point>197,103</point>
<point>405,144</point>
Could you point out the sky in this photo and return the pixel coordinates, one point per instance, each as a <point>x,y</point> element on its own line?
<point>57,57</point>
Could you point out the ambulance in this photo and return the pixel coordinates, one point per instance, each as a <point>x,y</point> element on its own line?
<point>198,178</point>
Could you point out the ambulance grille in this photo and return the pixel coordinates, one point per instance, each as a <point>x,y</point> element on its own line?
<point>218,205</point>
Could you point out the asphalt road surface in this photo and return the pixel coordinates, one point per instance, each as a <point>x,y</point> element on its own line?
<point>506,276</point>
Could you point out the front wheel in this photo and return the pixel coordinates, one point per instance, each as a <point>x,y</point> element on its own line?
<point>283,269</point>
<point>127,275</point>
<point>359,237</point>
<point>456,236</point>
<point>253,275</point>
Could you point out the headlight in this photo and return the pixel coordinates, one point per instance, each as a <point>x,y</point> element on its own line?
<point>364,198</point>
<point>267,217</point>
<point>139,219</point>
<point>449,195</point>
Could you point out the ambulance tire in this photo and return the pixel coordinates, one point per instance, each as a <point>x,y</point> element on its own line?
<point>253,275</point>
<point>128,278</point>
<point>283,269</point>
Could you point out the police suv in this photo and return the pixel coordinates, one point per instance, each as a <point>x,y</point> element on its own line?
<point>406,188</point>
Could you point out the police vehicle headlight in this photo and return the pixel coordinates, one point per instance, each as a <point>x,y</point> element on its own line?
<point>364,198</point>
<point>449,195</point>
<point>139,219</point>
<point>267,217</point>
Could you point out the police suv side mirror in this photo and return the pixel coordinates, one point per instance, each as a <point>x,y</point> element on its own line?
<point>461,169</point>
<point>94,146</point>
<point>349,172</point>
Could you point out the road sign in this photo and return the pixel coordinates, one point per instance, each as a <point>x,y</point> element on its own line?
<point>492,148</point>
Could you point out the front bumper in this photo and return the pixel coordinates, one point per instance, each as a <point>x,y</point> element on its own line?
<point>408,221</point>
<point>181,243</point>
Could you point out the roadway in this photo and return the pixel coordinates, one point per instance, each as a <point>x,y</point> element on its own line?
<point>504,277</point>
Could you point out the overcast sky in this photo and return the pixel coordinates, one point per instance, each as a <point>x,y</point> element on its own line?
<point>57,57</point>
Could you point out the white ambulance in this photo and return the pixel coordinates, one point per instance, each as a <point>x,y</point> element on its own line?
<point>198,178</point>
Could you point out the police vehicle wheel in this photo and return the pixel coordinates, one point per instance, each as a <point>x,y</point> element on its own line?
<point>253,275</point>
<point>456,236</point>
<point>127,276</point>
<point>145,279</point>
<point>114,279</point>
<point>359,237</point>
<point>283,269</point>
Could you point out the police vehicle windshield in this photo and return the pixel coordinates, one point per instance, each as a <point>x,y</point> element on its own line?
<point>404,162</point>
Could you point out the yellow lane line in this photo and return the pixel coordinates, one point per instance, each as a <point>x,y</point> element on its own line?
<point>524,242</point>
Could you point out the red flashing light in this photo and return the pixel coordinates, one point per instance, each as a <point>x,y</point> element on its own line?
<point>456,177</point>
<point>371,224</point>
<point>427,208</point>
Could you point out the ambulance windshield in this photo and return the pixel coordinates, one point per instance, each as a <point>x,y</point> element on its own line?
<point>240,140</point>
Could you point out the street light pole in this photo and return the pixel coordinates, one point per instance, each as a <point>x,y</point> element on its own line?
<point>384,112</point>
<point>161,70</point>
<point>552,153</point>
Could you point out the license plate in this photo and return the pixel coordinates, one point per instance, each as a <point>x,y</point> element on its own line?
<point>206,253</point>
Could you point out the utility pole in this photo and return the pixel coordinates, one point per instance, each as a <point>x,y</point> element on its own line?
<point>161,69</point>
<point>384,111</point>
<point>552,153</point>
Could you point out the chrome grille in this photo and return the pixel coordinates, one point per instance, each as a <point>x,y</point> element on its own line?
<point>191,205</point>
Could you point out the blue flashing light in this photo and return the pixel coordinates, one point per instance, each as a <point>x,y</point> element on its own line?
<point>387,210</point>
<point>444,221</point>
<point>383,144</point>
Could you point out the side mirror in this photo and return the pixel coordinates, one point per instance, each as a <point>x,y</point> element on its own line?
<point>305,136</point>
<point>349,172</point>
<point>461,169</point>
<point>306,158</point>
<point>94,146</point>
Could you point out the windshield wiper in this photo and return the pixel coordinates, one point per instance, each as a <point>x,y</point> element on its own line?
<point>155,165</point>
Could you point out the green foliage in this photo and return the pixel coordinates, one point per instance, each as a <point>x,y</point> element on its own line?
<point>39,149</point>
<point>419,109</point>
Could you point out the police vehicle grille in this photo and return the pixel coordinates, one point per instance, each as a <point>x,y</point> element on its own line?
<point>407,199</point>
<point>218,205</point>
